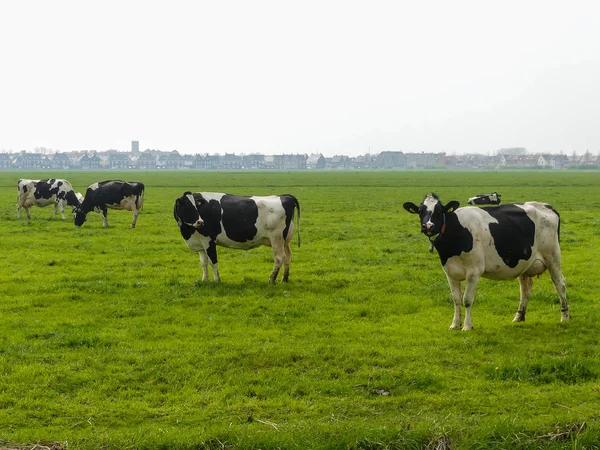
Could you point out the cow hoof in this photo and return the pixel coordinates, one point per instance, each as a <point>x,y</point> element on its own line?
<point>565,317</point>
<point>455,327</point>
<point>519,317</point>
<point>466,328</point>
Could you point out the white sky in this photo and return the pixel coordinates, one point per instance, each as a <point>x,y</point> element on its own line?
<point>336,77</point>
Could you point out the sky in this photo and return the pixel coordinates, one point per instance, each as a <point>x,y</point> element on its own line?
<point>330,77</point>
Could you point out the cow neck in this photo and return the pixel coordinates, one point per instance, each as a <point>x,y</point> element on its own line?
<point>433,240</point>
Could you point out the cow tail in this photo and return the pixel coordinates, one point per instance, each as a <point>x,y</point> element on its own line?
<point>297,204</point>
<point>557,215</point>
<point>140,199</point>
<point>558,230</point>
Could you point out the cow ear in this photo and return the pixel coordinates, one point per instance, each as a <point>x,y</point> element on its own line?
<point>411,207</point>
<point>451,206</point>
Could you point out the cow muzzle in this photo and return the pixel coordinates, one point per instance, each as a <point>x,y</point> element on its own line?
<point>427,228</point>
<point>198,223</point>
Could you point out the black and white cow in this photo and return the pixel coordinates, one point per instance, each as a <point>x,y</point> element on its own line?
<point>485,199</point>
<point>519,240</point>
<point>113,194</point>
<point>208,219</point>
<point>53,191</point>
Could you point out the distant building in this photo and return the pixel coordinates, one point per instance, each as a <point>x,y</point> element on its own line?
<point>135,146</point>
<point>146,160</point>
<point>390,160</point>
<point>363,161</point>
<point>211,162</point>
<point>59,161</point>
<point>289,162</point>
<point>156,159</point>
<point>231,161</point>
<point>315,161</point>
<point>118,161</point>
<point>338,162</point>
<point>86,162</point>
<point>189,161</point>
<point>174,161</point>
<point>424,160</point>
<point>254,162</point>
<point>5,161</point>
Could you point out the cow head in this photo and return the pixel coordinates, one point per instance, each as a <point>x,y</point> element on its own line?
<point>186,210</point>
<point>80,216</point>
<point>432,213</point>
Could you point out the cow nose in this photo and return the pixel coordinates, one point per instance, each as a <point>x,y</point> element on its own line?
<point>198,223</point>
<point>426,226</point>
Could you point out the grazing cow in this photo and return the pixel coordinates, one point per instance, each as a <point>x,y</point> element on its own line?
<point>505,242</point>
<point>208,219</point>
<point>113,194</point>
<point>485,199</point>
<point>53,191</point>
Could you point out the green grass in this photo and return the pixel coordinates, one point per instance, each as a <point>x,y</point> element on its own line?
<point>107,339</point>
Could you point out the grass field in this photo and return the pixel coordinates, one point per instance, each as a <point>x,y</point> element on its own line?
<point>107,339</point>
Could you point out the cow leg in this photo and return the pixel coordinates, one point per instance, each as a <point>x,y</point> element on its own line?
<point>104,213</point>
<point>55,210</point>
<point>61,208</point>
<point>204,264</point>
<point>469,298</point>
<point>455,290</point>
<point>561,288</point>
<point>18,211</point>
<point>278,258</point>
<point>211,251</point>
<point>287,260</point>
<point>525,284</point>
<point>27,211</point>
<point>135,216</point>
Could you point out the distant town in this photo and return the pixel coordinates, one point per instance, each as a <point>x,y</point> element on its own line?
<point>149,159</point>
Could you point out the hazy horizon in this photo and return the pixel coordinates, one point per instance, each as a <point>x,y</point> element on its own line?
<point>326,77</point>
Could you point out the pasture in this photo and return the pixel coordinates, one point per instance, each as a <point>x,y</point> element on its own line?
<point>107,339</point>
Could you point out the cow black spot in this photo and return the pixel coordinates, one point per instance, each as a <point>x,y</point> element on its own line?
<point>210,212</point>
<point>239,217</point>
<point>456,240</point>
<point>211,251</point>
<point>514,234</point>
<point>186,231</point>
<point>289,203</point>
<point>42,189</point>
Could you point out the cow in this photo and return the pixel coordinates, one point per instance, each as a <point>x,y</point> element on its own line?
<point>519,240</point>
<point>485,199</point>
<point>208,219</point>
<point>113,194</point>
<point>51,191</point>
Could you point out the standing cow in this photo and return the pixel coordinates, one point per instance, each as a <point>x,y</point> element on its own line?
<point>485,199</point>
<point>52,191</point>
<point>501,243</point>
<point>113,194</point>
<point>208,219</point>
